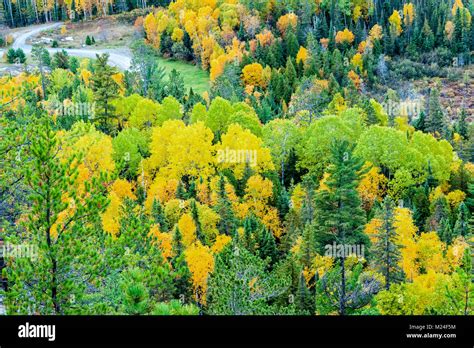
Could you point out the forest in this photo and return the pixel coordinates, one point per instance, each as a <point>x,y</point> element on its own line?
<point>326,167</point>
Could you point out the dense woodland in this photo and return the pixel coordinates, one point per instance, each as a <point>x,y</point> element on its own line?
<point>143,197</point>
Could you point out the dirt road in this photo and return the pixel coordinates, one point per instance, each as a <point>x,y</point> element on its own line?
<point>119,57</point>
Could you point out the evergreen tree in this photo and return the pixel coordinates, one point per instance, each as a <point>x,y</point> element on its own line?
<point>461,125</point>
<point>290,72</point>
<point>339,214</point>
<point>386,250</point>
<point>445,231</point>
<point>158,215</point>
<point>42,58</point>
<point>182,275</point>
<point>46,282</point>
<point>267,246</point>
<point>304,299</point>
<point>436,120</point>
<point>227,223</point>
<point>461,228</point>
<point>105,90</point>
<point>195,215</point>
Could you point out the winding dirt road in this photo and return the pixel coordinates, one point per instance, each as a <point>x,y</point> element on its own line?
<point>119,57</point>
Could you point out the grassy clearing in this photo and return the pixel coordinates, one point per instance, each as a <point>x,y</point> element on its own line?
<point>192,75</point>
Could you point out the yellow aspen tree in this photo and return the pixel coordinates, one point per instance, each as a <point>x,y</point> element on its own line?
<point>408,14</point>
<point>395,23</point>
<point>200,262</point>
<point>345,37</point>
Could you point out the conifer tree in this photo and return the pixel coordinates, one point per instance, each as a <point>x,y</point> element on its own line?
<point>385,249</point>
<point>105,90</point>
<point>223,207</point>
<point>339,214</point>
<point>158,215</point>
<point>48,280</point>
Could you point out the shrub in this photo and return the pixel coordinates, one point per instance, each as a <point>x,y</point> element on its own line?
<point>11,55</point>
<point>54,44</point>
<point>88,40</point>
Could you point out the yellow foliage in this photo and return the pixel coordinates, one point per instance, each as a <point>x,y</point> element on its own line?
<point>354,78</point>
<point>406,238</point>
<point>345,37</point>
<point>188,229</point>
<point>162,189</point>
<point>243,147</point>
<point>252,75</point>
<point>297,197</point>
<point>372,228</point>
<point>164,241</point>
<point>357,61</point>
<point>177,35</point>
<point>302,55</point>
<point>111,216</point>
<point>395,23</point>
<point>221,241</point>
<point>265,38</point>
<point>286,21</point>
<point>200,263</point>
<point>455,198</point>
<point>177,150</point>
<point>376,33</point>
<point>372,187</point>
<point>408,14</point>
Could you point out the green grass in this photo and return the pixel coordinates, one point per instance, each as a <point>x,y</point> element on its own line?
<point>193,76</point>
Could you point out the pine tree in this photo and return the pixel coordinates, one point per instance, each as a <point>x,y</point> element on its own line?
<point>439,211</point>
<point>461,125</point>
<point>135,295</point>
<point>436,120</point>
<point>445,231</point>
<point>105,90</point>
<point>461,227</point>
<point>292,45</point>
<point>386,250</point>
<point>304,300</point>
<point>267,246</point>
<point>195,215</point>
<point>420,122</point>
<point>182,275</point>
<point>227,223</point>
<point>339,214</point>
<point>42,58</point>
<point>290,72</point>
<point>158,214</point>
<point>46,282</point>
<point>181,192</point>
